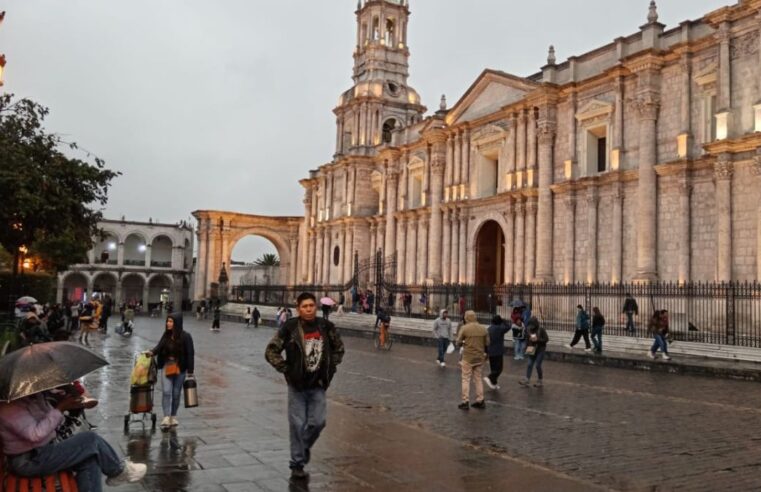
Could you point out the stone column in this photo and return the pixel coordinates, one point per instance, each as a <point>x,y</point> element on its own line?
<point>455,254</point>
<point>570,238</point>
<point>618,126</point>
<point>293,239</point>
<point>449,173</point>
<point>463,249</point>
<point>341,277</point>
<point>756,169</point>
<point>318,255</point>
<point>546,131</point>
<point>349,255</point>
<point>392,183</point>
<point>304,259</point>
<point>373,239</point>
<point>120,253</point>
<point>465,187</point>
<point>423,246</point>
<point>530,252</point>
<point>684,228</point>
<point>438,161</point>
<point>592,201</point>
<point>531,139</point>
<point>617,255</point>
<point>724,99</point>
<point>510,243</point>
<point>684,141</point>
<point>520,238</point>
<point>401,251</point>
<point>723,171</point>
<point>146,295</point>
<point>457,165</point>
<point>648,102</point>
<point>521,157</point>
<point>327,254</point>
<point>446,246</point>
<point>411,250</point>
<point>200,273</point>
<point>212,267</point>
<point>310,256</point>
<point>148,255</point>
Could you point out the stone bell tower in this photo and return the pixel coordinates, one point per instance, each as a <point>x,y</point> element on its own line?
<point>380,100</point>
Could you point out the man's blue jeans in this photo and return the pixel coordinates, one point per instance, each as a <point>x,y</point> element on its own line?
<point>660,342</point>
<point>519,346</point>
<point>597,338</point>
<point>306,418</point>
<point>535,360</point>
<point>443,343</point>
<point>171,391</point>
<point>630,322</point>
<point>86,453</point>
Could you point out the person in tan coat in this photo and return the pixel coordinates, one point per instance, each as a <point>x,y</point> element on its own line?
<point>473,339</point>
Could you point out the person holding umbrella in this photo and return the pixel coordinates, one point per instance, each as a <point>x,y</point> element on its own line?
<point>326,303</point>
<point>28,421</point>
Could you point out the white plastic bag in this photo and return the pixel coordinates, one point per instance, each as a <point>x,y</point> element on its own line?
<point>450,348</point>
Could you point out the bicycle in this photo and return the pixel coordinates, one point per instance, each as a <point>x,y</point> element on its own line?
<point>381,337</point>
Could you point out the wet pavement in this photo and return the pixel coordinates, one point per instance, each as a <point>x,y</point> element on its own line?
<point>393,424</point>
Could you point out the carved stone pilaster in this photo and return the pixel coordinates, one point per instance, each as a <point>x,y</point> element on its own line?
<point>723,169</point>
<point>647,105</point>
<point>756,166</point>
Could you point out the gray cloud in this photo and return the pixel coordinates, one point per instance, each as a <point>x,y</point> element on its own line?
<point>227,104</point>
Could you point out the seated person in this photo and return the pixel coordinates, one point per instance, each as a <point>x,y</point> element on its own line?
<point>27,433</point>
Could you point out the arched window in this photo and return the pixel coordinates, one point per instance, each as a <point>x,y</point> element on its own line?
<point>336,255</point>
<point>388,127</point>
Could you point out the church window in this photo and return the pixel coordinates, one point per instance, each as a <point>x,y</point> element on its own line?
<point>376,29</point>
<point>486,175</point>
<point>388,128</point>
<point>390,31</point>
<point>416,200</point>
<point>336,256</point>
<point>597,150</point>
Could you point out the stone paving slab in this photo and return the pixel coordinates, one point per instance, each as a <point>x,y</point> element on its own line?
<point>238,438</point>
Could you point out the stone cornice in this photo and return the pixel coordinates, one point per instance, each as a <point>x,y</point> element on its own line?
<point>646,61</point>
<point>746,143</point>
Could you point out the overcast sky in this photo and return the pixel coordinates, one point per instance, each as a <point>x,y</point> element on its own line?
<point>226,104</point>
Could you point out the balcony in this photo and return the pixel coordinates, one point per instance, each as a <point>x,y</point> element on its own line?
<point>161,264</point>
<point>134,262</point>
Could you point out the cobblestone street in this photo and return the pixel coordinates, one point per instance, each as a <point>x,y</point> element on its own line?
<point>393,423</point>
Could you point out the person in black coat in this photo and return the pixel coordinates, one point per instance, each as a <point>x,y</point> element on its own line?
<point>175,357</point>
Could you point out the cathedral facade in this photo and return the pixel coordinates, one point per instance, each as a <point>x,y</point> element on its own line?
<point>639,161</point>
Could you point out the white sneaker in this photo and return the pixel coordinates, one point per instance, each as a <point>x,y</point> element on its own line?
<point>489,383</point>
<point>132,472</point>
<point>587,350</point>
<point>173,422</point>
<point>496,386</point>
<point>443,364</point>
<point>650,354</point>
<point>666,357</point>
<point>166,421</point>
<point>568,345</point>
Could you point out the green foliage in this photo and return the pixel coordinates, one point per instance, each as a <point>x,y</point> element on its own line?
<point>268,259</point>
<point>51,202</point>
<point>41,286</point>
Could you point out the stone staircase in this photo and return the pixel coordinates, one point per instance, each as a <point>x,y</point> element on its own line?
<point>423,329</point>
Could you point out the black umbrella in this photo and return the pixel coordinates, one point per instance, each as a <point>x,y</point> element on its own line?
<point>44,366</point>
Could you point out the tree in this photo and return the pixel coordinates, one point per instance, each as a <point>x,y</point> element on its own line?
<point>268,259</point>
<point>51,202</point>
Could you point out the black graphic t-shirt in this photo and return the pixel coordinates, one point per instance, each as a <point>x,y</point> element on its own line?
<point>313,349</point>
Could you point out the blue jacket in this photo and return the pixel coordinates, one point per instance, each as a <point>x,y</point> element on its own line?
<point>582,320</point>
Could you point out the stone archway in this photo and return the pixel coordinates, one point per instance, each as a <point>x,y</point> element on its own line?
<point>219,231</point>
<point>490,255</point>
<point>74,287</point>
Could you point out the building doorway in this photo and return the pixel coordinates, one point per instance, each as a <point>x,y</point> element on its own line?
<point>490,255</point>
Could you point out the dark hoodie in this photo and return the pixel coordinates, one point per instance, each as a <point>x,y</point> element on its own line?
<point>176,343</point>
<point>536,335</point>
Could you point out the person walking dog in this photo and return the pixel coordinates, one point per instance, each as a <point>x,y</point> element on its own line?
<point>313,350</point>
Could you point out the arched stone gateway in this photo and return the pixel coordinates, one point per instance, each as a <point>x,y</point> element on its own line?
<point>219,231</point>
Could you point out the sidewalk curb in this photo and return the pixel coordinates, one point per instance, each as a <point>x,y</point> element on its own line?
<point>694,367</point>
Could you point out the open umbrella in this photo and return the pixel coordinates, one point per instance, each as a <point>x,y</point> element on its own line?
<point>517,303</point>
<point>327,301</point>
<point>26,300</point>
<point>44,366</point>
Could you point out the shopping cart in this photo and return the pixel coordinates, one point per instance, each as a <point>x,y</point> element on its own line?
<point>141,398</point>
